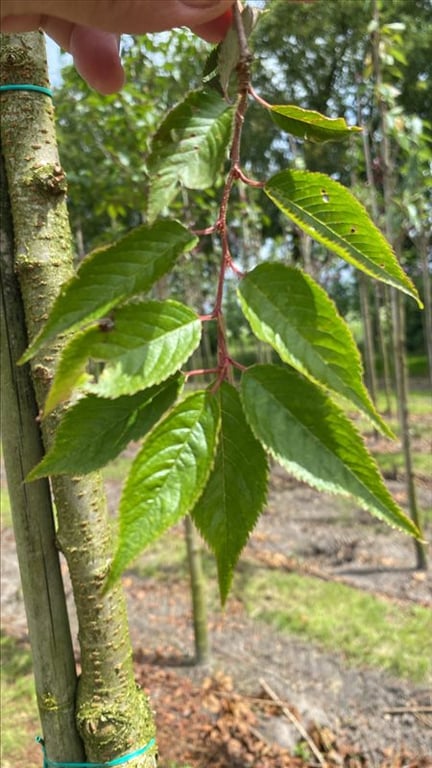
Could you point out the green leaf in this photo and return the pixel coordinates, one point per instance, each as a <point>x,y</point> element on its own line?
<point>167,476</point>
<point>95,430</point>
<point>211,65</point>
<point>312,438</point>
<point>229,48</point>
<point>236,490</point>
<point>189,147</point>
<point>310,125</point>
<point>288,310</point>
<point>143,344</point>
<point>109,276</point>
<point>330,214</point>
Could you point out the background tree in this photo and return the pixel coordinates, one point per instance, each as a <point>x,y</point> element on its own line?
<point>395,235</point>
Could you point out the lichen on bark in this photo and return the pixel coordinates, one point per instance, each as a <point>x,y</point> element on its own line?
<point>113,716</point>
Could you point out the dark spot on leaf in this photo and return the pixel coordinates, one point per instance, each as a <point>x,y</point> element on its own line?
<point>325,196</point>
<point>353,230</point>
<point>106,324</point>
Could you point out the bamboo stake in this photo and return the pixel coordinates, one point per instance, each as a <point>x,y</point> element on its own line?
<point>42,585</point>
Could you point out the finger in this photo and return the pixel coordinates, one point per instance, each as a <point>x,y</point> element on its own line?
<point>215,30</point>
<point>132,16</point>
<point>95,53</point>
<point>96,57</point>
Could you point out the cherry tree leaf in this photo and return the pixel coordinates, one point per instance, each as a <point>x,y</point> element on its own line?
<point>290,311</point>
<point>167,476</point>
<point>229,49</point>
<point>112,274</point>
<point>95,430</point>
<point>189,147</point>
<point>313,439</point>
<point>236,490</point>
<point>330,214</point>
<point>143,344</point>
<point>310,125</point>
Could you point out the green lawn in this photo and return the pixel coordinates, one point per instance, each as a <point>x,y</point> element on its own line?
<point>19,715</point>
<point>366,629</point>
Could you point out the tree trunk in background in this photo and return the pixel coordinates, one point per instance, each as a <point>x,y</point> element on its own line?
<point>112,716</point>
<point>422,245</point>
<point>38,557</point>
<point>369,347</point>
<point>398,318</point>
<point>199,601</point>
<point>377,288</point>
<point>382,306</point>
<point>402,399</point>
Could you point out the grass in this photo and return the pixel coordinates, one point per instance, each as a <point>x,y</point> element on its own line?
<point>6,515</point>
<point>417,365</point>
<point>368,630</point>
<point>419,407</point>
<point>155,563</point>
<point>391,460</point>
<point>20,722</point>
<point>394,463</point>
<point>420,402</point>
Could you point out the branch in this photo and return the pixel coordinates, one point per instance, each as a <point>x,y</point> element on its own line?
<point>292,718</point>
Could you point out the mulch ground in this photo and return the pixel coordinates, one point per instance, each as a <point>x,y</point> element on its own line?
<point>208,724</point>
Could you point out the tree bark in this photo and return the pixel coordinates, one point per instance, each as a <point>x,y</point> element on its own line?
<point>32,518</point>
<point>382,310</point>
<point>369,346</point>
<point>402,399</point>
<point>422,244</point>
<point>377,289</point>
<point>199,603</point>
<point>112,716</point>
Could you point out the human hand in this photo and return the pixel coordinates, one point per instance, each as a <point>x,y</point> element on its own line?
<point>89,29</point>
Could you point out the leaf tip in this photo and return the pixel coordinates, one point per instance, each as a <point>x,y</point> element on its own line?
<point>50,403</point>
<point>225,578</point>
<point>112,576</point>
<point>27,355</point>
<point>37,473</point>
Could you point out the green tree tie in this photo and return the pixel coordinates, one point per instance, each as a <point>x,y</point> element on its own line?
<point>26,87</point>
<point>122,760</point>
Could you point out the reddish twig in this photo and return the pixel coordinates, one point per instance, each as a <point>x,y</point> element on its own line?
<point>250,182</point>
<point>258,98</point>
<point>225,362</point>
<point>207,231</point>
<point>199,372</point>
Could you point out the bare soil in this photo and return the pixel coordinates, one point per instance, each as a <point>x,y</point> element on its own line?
<point>221,716</point>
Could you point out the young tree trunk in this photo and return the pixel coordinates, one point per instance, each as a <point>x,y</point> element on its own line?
<point>422,245</point>
<point>369,346</point>
<point>402,399</point>
<point>382,307</point>
<point>112,716</point>
<point>32,518</point>
<point>398,319</point>
<point>377,289</point>
<point>199,602</point>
